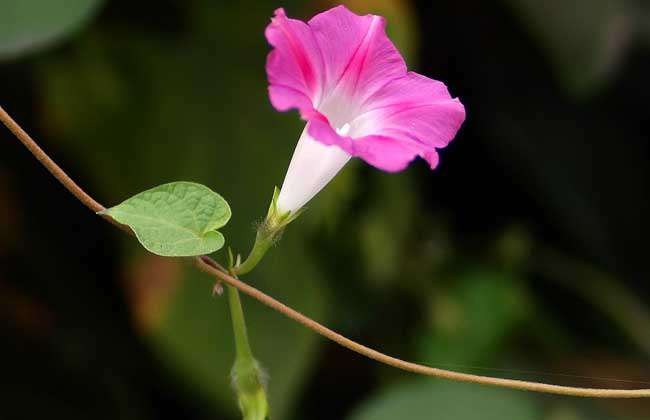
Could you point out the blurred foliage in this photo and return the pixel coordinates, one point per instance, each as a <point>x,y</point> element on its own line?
<point>584,39</point>
<point>524,251</point>
<point>471,322</point>
<point>27,25</point>
<point>447,401</point>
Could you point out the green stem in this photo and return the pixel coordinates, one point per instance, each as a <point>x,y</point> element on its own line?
<point>242,346</point>
<point>247,374</point>
<point>263,241</point>
<point>268,233</point>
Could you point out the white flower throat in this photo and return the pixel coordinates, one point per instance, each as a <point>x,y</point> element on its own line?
<point>313,165</point>
<point>344,130</point>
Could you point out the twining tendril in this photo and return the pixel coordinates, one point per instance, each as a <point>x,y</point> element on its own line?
<point>211,267</point>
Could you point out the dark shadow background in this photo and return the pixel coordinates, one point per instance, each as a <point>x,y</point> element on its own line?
<point>524,255</point>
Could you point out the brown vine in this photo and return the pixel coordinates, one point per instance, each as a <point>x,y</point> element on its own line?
<point>211,267</point>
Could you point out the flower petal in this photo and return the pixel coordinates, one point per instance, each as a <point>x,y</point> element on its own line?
<point>358,56</point>
<point>415,110</point>
<point>337,55</point>
<point>294,66</point>
<point>385,153</point>
<point>382,152</point>
<point>409,117</point>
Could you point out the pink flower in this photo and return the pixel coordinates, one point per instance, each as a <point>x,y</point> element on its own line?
<point>352,87</point>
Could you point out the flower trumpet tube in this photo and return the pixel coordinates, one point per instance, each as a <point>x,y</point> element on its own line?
<point>312,166</point>
<point>353,89</point>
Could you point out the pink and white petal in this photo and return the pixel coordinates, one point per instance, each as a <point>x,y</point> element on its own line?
<point>295,66</point>
<point>358,56</point>
<point>415,110</point>
<point>320,129</point>
<point>426,127</point>
<point>433,125</point>
<point>411,88</point>
<point>385,153</point>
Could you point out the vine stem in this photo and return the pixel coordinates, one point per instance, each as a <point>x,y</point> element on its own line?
<point>211,267</point>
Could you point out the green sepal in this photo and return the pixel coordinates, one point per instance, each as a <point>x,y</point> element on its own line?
<point>276,220</point>
<point>268,233</point>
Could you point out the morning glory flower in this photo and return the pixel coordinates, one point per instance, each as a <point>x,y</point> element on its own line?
<point>353,88</point>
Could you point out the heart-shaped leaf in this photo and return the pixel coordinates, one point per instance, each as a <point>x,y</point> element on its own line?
<point>179,219</point>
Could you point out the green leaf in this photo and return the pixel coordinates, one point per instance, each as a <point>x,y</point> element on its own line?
<point>426,400</point>
<point>179,219</point>
<point>26,25</point>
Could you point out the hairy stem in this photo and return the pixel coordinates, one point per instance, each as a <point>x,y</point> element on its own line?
<point>208,266</point>
<point>262,244</point>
